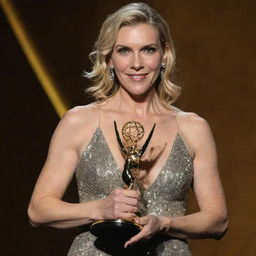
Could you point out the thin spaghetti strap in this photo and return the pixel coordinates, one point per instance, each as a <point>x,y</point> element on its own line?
<point>180,133</point>
<point>99,116</point>
<point>176,124</point>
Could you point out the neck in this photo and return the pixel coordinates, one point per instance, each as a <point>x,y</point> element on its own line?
<point>137,106</point>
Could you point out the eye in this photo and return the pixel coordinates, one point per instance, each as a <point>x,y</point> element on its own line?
<point>150,50</point>
<point>123,50</point>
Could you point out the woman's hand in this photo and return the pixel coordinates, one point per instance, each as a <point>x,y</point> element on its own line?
<point>151,225</point>
<point>121,203</point>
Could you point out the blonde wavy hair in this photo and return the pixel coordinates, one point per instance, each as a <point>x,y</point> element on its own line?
<point>103,87</point>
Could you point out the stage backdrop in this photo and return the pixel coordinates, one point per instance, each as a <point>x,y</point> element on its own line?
<point>44,49</point>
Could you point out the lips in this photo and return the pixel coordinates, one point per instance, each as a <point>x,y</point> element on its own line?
<point>137,77</point>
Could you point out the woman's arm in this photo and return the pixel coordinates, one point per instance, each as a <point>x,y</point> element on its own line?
<point>46,206</point>
<point>211,220</point>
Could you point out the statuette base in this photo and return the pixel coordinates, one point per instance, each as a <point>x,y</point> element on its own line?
<point>118,230</point>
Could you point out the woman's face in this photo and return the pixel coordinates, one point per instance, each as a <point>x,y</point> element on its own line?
<point>136,58</point>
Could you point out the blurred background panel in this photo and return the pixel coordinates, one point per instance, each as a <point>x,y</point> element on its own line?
<point>215,43</point>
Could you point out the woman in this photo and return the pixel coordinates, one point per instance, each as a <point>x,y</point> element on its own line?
<point>133,61</point>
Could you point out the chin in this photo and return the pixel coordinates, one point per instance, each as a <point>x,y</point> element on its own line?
<point>137,89</point>
<point>139,93</point>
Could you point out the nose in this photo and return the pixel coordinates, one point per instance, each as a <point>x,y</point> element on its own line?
<point>137,63</point>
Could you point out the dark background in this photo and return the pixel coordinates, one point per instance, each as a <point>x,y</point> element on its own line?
<point>215,43</point>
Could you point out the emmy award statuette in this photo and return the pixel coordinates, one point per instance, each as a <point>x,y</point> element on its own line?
<point>123,229</point>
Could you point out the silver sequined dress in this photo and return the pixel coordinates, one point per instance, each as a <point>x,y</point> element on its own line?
<point>98,175</point>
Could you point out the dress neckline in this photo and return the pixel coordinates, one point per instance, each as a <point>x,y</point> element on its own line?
<point>177,138</point>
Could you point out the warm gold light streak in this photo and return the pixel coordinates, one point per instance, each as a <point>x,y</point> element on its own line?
<point>26,44</point>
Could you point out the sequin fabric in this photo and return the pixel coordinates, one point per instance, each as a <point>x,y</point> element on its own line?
<point>98,175</point>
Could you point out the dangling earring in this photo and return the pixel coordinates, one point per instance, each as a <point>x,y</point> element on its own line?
<point>162,71</point>
<point>112,74</point>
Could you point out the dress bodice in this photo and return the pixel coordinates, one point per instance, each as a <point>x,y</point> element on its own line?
<point>98,174</point>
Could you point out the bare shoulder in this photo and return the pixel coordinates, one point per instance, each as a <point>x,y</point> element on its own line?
<point>77,124</point>
<point>79,118</point>
<point>193,128</point>
<point>189,121</point>
<point>80,114</point>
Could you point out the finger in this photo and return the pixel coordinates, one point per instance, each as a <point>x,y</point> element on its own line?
<point>137,219</point>
<point>124,198</point>
<point>142,220</point>
<point>131,201</point>
<point>128,208</point>
<point>142,234</point>
<point>127,215</point>
<point>124,211</point>
<point>131,193</point>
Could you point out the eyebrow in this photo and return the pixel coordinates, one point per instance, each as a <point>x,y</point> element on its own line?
<point>145,46</point>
